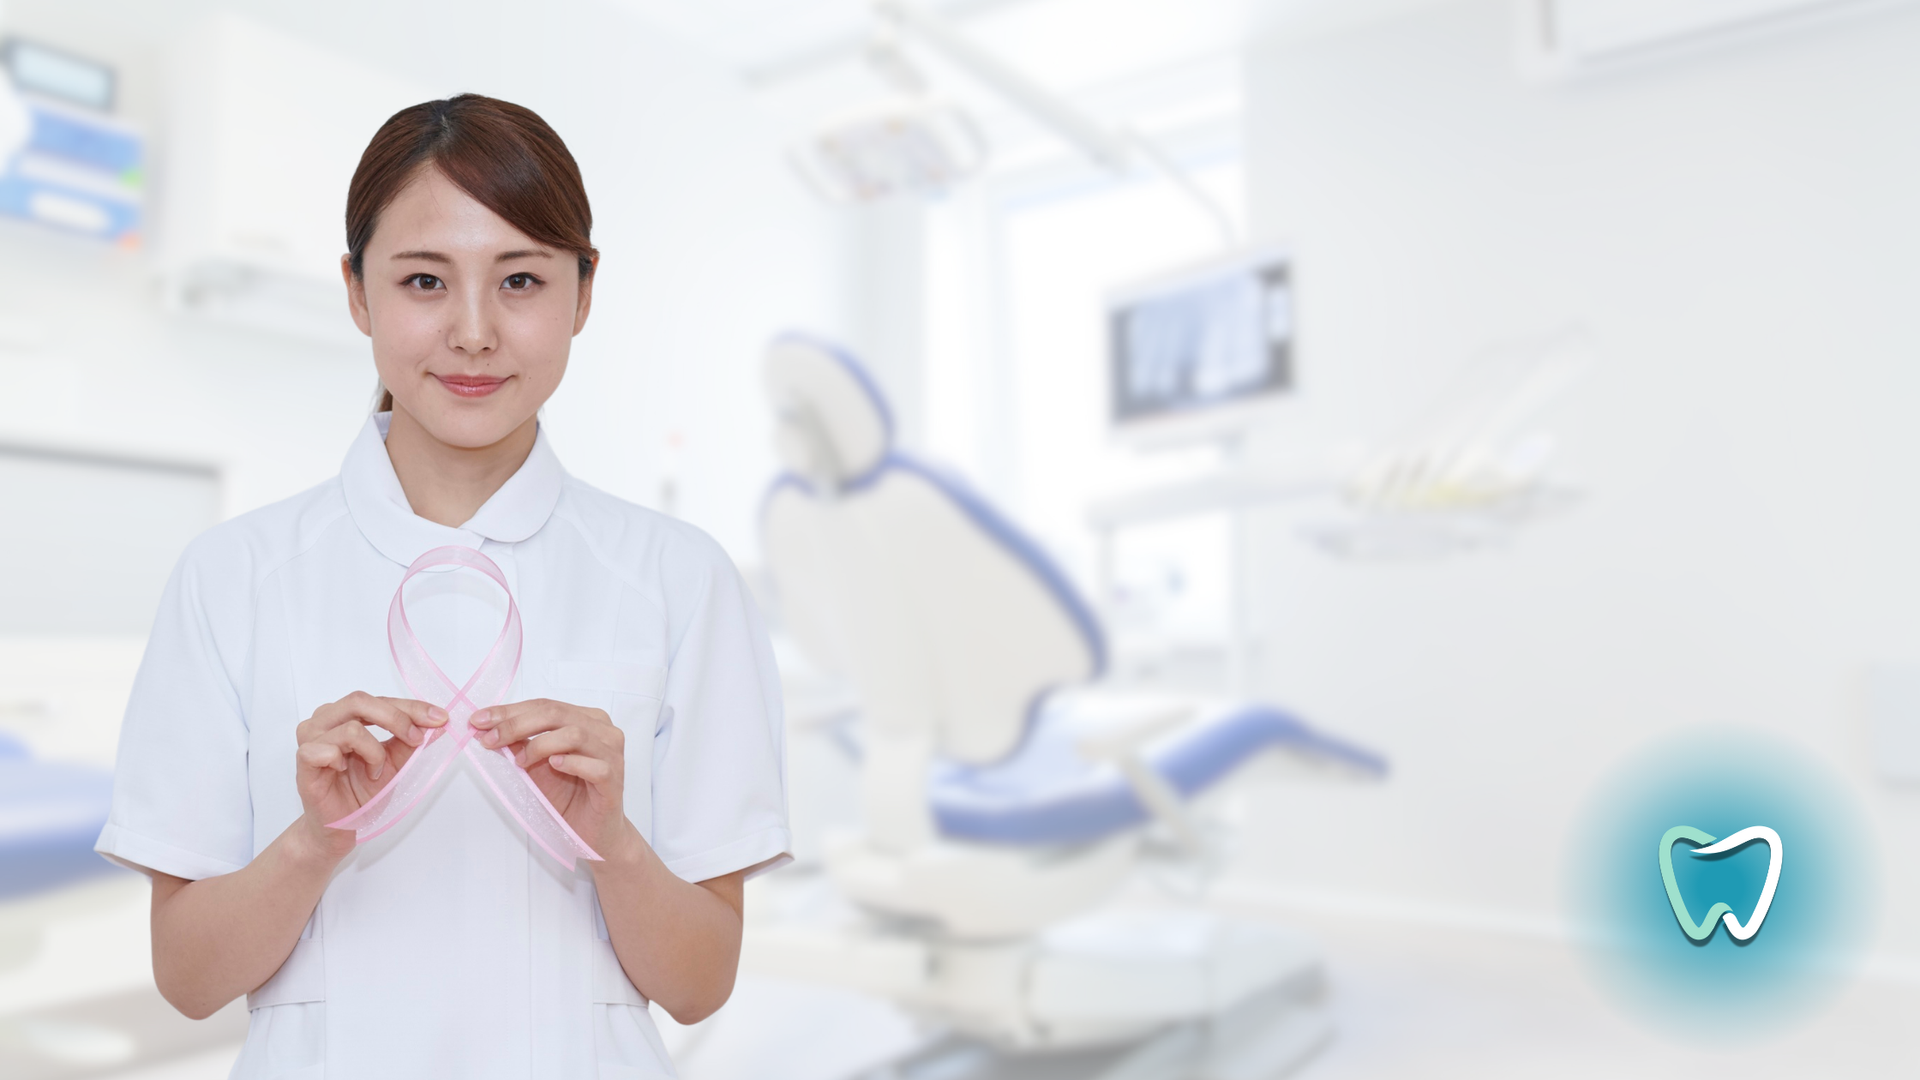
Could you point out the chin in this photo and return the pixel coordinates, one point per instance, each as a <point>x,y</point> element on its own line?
<point>470,427</point>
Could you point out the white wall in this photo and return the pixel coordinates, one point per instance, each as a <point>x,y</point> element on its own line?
<point>1738,229</point>
<point>708,248</point>
<point>890,335</point>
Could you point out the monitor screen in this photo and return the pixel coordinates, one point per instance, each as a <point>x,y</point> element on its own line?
<point>1222,334</point>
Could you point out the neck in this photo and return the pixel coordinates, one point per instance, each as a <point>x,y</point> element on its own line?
<point>448,484</point>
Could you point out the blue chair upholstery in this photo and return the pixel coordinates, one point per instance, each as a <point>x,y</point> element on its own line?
<point>1043,792</point>
<point>1048,793</point>
<point>50,815</point>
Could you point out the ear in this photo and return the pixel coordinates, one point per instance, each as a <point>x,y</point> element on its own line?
<point>585,302</point>
<point>357,297</point>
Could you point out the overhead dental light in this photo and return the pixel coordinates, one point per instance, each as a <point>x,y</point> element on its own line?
<point>915,145</point>
<point>903,148</point>
<point>911,145</point>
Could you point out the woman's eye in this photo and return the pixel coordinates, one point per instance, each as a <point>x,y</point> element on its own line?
<point>520,281</point>
<point>423,281</point>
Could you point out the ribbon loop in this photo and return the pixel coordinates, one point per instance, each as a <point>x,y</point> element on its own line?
<point>488,685</point>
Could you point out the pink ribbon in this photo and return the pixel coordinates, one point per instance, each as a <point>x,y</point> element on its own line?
<point>487,686</point>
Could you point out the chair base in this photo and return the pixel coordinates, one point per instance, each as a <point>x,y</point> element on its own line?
<point>1108,979</point>
<point>1265,1038</point>
<point>980,891</point>
<point>23,919</point>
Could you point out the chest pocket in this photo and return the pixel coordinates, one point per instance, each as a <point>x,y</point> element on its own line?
<point>647,682</point>
<point>302,977</point>
<point>631,694</point>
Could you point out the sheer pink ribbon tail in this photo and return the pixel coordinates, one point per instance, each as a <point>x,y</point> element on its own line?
<point>488,686</point>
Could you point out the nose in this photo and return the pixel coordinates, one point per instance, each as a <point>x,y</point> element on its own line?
<point>472,331</point>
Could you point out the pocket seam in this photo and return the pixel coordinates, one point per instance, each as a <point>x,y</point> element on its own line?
<point>301,980</point>
<point>639,680</point>
<point>610,983</point>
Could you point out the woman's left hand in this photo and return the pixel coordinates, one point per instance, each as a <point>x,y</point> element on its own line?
<point>578,758</point>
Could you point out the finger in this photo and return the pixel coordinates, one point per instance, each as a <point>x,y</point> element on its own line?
<point>406,718</point>
<point>504,725</point>
<point>592,770</point>
<point>397,715</point>
<point>358,741</point>
<point>567,740</point>
<point>334,713</point>
<point>321,756</point>
<point>522,721</point>
<point>324,719</point>
<point>421,712</point>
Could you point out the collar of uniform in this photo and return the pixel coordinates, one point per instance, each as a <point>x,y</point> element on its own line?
<point>379,506</point>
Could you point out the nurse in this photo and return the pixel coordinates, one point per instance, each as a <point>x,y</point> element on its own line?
<point>646,707</point>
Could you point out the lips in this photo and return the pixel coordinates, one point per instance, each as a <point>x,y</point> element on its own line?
<point>471,386</point>
<point>1703,929</point>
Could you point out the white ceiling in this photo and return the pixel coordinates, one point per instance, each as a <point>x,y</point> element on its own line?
<point>762,35</point>
<point>1138,60</point>
<point>746,33</point>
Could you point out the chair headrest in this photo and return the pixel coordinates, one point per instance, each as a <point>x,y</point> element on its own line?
<point>834,427</point>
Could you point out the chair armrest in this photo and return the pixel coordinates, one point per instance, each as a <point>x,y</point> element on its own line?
<point>1121,742</point>
<point>1119,738</point>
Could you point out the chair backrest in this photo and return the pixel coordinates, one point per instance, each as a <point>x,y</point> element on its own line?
<point>944,615</point>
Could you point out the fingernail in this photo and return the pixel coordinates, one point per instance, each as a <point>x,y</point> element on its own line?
<point>377,770</point>
<point>437,713</point>
<point>412,736</point>
<point>490,738</point>
<point>481,718</point>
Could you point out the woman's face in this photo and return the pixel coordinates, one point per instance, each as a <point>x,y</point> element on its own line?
<point>471,319</point>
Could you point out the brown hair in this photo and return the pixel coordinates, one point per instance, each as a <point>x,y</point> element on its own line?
<point>500,153</point>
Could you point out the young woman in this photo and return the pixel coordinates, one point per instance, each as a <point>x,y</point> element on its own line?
<point>646,707</point>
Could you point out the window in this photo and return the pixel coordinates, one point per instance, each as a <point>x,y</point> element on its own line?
<point>91,540</point>
<point>1017,392</point>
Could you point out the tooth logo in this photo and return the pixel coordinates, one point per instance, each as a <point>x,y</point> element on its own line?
<point>1703,929</point>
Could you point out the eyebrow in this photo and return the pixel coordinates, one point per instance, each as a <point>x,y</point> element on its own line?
<point>505,256</point>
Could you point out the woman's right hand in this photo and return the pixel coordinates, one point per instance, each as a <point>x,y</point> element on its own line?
<point>340,764</point>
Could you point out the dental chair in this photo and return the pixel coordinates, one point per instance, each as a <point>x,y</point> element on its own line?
<point>50,815</point>
<point>1008,799</point>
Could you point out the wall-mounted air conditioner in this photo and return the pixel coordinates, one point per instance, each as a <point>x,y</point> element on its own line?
<point>263,135</point>
<point>1562,38</point>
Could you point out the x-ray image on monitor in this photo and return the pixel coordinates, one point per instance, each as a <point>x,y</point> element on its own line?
<point>1211,338</point>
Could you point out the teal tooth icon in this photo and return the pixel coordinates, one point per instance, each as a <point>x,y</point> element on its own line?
<point>1705,844</point>
<point>1764,942</point>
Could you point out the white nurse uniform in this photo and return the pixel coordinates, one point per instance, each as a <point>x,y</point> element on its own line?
<point>451,946</point>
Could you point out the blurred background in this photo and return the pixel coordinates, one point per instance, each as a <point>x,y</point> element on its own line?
<point>1378,418</point>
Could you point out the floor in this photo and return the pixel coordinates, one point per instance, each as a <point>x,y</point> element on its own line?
<point>1409,1000</point>
<point>1406,1000</point>
<point>77,999</point>
<point>1413,1001</point>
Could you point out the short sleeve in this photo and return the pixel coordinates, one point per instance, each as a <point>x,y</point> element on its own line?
<point>181,803</point>
<point>719,750</point>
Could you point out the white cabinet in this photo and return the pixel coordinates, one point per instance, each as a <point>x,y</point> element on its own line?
<point>263,135</point>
